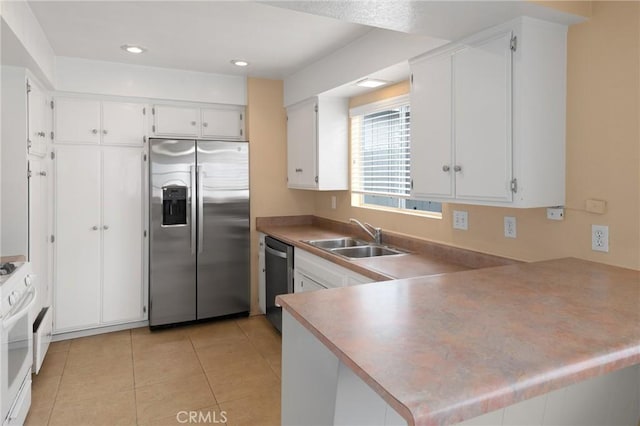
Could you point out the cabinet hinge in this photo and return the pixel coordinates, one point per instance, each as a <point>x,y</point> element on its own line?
<point>144,139</point>
<point>144,111</point>
<point>411,78</point>
<point>51,103</point>
<point>28,87</point>
<point>53,238</point>
<point>145,233</point>
<point>144,309</point>
<point>29,174</point>
<point>315,108</point>
<point>514,185</point>
<point>144,157</point>
<point>51,134</point>
<point>53,155</point>
<point>240,116</point>
<point>153,111</point>
<point>316,179</point>
<point>240,132</point>
<point>28,143</point>
<point>153,128</point>
<point>514,43</point>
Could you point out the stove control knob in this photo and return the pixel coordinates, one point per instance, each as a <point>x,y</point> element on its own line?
<point>12,298</point>
<point>27,281</point>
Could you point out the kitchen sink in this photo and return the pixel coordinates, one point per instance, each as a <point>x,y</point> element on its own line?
<point>370,250</point>
<point>337,243</point>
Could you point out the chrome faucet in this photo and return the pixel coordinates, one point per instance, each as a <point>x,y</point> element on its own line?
<point>376,234</point>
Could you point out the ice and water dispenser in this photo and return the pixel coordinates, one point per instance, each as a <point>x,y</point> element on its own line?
<point>174,205</point>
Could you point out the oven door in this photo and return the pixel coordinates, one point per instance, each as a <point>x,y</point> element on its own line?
<point>17,351</point>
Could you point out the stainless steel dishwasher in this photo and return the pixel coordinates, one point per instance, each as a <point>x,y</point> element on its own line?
<point>279,277</point>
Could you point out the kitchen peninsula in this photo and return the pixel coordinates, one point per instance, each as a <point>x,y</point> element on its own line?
<point>507,341</point>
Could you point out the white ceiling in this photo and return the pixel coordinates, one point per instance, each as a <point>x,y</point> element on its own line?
<point>199,36</point>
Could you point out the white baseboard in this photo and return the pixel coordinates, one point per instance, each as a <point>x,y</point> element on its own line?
<point>98,330</point>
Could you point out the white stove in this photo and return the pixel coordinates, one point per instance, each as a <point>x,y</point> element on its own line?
<point>17,296</point>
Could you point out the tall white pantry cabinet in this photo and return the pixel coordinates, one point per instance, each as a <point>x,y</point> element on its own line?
<point>100,164</point>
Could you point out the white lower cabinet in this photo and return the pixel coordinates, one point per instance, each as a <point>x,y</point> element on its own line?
<point>99,236</point>
<point>315,273</point>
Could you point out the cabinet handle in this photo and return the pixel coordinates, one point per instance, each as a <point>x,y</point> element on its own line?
<point>94,227</point>
<point>43,173</point>
<point>104,132</point>
<point>298,170</point>
<point>94,131</point>
<point>41,134</point>
<point>106,227</point>
<point>457,168</point>
<point>446,168</point>
<point>193,123</point>
<point>205,124</point>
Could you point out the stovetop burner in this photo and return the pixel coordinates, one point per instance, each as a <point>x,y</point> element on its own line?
<point>7,268</point>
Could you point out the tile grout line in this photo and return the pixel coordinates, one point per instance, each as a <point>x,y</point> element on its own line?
<point>260,352</point>
<point>133,373</point>
<point>203,370</point>
<point>55,398</point>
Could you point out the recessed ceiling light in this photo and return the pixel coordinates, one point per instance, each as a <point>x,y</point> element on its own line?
<point>132,48</point>
<point>370,82</point>
<point>239,62</point>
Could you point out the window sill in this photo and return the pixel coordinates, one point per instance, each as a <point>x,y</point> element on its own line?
<point>430,215</point>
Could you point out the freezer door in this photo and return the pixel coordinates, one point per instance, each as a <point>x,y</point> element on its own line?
<point>223,237</point>
<point>173,239</point>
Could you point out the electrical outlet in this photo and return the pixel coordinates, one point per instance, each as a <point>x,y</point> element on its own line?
<point>460,220</point>
<point>600,238</point>
<point>509,227</point>
<point>555,213</point>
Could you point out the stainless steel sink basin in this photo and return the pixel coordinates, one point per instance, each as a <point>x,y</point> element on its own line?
<point>365,251</point>
<point>337,243</point>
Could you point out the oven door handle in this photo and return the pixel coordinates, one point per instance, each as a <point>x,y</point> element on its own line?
<point>19,311</point>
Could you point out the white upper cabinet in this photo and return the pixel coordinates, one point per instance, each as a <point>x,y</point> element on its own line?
<point>123,123</point>
<point>39,118</point>
<point>175,121</point>
<point>77,120</point>
<point>221,123</point>
<point>317,144</point>
<point>89,121</point>
<point>488,118</point>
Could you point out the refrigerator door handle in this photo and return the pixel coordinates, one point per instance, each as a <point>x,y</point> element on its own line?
<point>200,211</point>
<point>193,210</point>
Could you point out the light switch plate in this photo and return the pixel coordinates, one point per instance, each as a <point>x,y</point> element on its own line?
<point>460,220</point>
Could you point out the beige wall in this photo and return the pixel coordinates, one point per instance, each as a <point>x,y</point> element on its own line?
<point>603,158</point>
<point>267,134</point>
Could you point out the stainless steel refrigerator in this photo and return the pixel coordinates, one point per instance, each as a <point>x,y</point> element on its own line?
<point>199,240</point>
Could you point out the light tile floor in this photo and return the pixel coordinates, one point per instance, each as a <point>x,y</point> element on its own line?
<point>222,370</point>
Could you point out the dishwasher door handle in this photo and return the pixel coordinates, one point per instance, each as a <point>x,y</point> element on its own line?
<point>275,252</point>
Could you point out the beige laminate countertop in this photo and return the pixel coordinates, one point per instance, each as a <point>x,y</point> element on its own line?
<point>450,347</point>
<point>380,268</point>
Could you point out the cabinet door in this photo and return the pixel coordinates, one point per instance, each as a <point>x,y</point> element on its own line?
<point>39,229</point>
<point>482,104</point>
<point>122,230</point>
<point>123,123</point>
<point>39,124</point>
<point>77,120</point>
<point>431,139</point>
<point>78,248</point>
<point>226,124</point>
<point>176,121</point>
<point>302,145</point>
<point>304,283</point>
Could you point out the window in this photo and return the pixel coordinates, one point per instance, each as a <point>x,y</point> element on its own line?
<point>381,157</point>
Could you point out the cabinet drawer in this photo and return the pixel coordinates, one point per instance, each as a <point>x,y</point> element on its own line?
<point>42,338</point>
<point>321,271</point>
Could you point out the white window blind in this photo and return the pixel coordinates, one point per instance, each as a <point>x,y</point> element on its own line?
<point>380,148</point>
